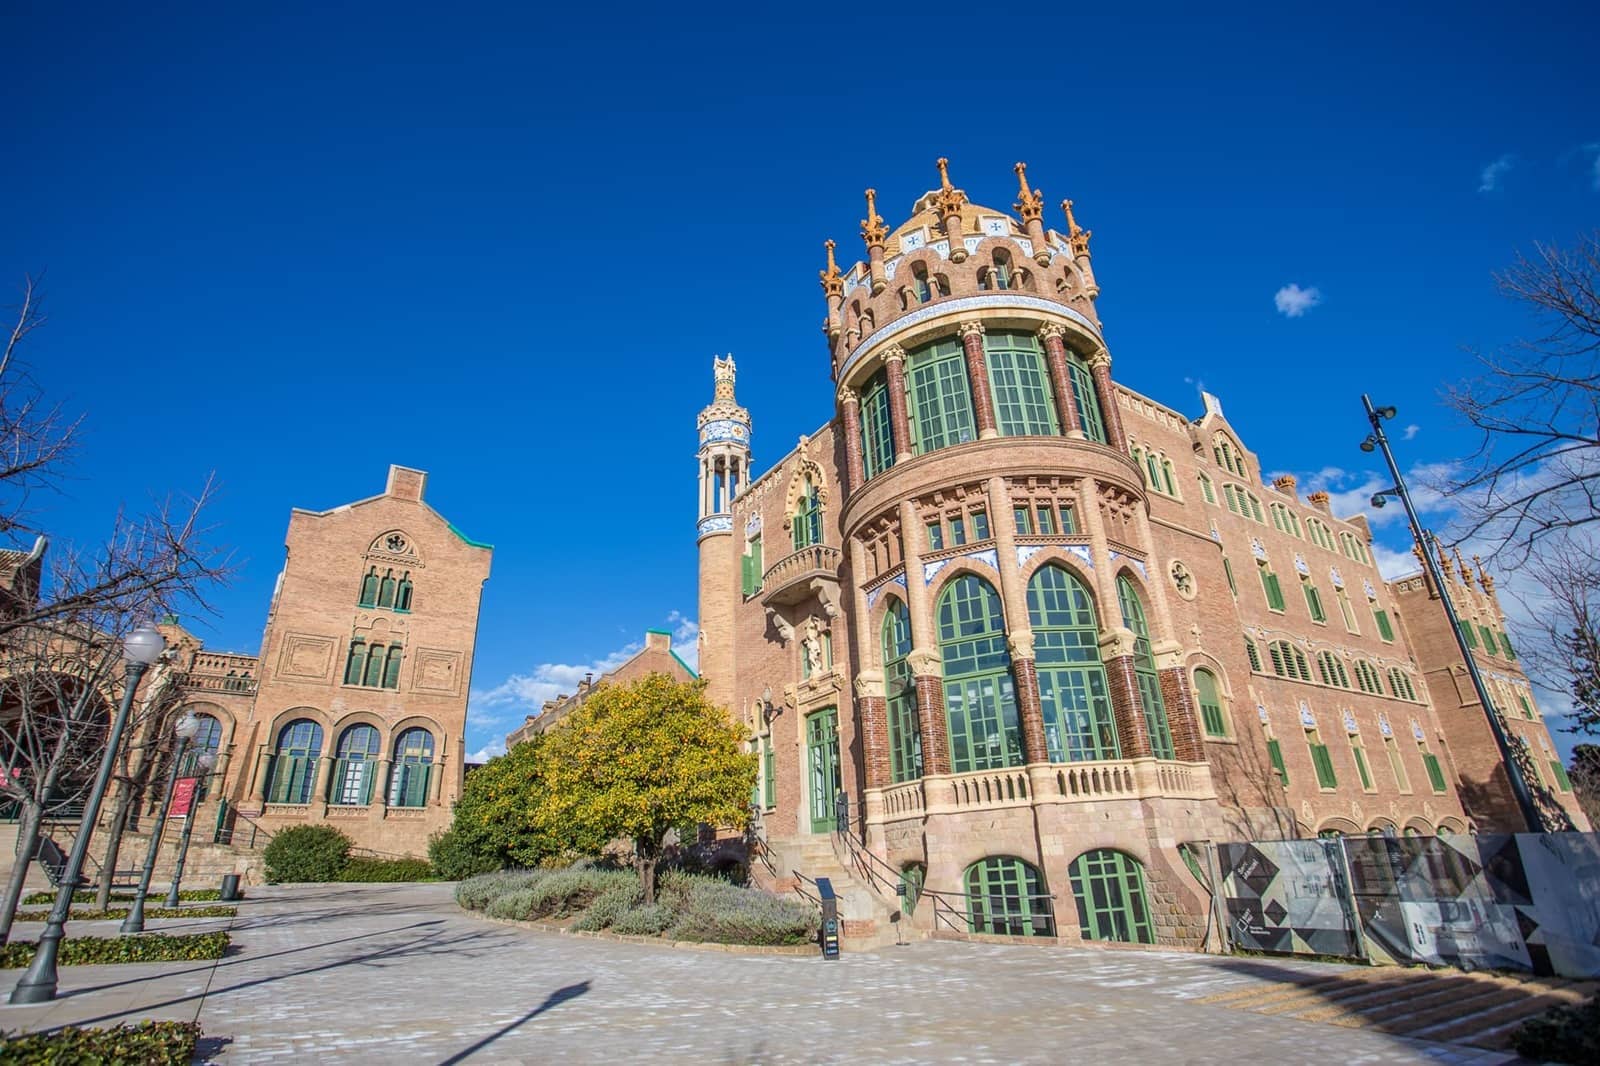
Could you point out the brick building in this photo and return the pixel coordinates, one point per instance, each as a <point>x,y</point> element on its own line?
<point>1039,629</point>
<point>354,713</point>
<point>656,657</point>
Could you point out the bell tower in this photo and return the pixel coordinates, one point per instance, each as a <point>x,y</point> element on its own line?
<point>724,469</point>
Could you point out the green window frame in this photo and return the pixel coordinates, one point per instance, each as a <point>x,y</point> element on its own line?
<point>1320,759</point>
<point>822,761</point>
<point>293,772</point>
<point>1085,398</point>
<point>905,729</point>
<point>1047,519</point>
<point>935,535</point>
<point>958,530</point>
<point>1488,639</point>
<point>1253,653</point>
<point>1275,754</point>
<point>1227,569</point>
<point>386,589</point>
<point>391,667</point>
<point>1144,671</point>
<point>979,696</point>
<point>940,397</point>
<point>369,589</point>
<point>1559,772</point>
<point>877,432</point>
<point>1210,700</point>
<point>1385,630</point>
<point>751,566</point>
<point>355,767</point>
<point>1006,896</point>
<point>769,774</point>
<point>806,523</point>
<point>1022,517</point>
<point>373,676</point>
<point>413,766</point>
<point>1362,769</point>
<point>1314,602</point>
<point>356,662</point>
<point>912,876</point>
<point>1023,404</point>
<point>402,594</point>
<point>1435,771</point>
<point>1505,645</point>
<point>1527,708</point>
<point>1271,588</point>
<point>1069,519</point>
<point>1074,695</point>
<point>980,524</point>
<point>1113,903</point>
<point>1467,634</point>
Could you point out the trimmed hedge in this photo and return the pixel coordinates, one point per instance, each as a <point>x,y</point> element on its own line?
<point>456,858</point>
<point>150,1043</point>
<point>146,947</point>
<point>1562,1034</point>
<point>316,853</point>
<point>122,912</point>
<point>371,871</point>
<point>188,895</point>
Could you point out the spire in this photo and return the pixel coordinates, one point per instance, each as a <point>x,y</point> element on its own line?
<point>1461,568</point>
<point>948,201</point>
<point>832,280</point>
<point>1077,236</point>
<point>1030,204</point>
<point>1486,580</point>
<point>722,373</point>
<point>873,231</point>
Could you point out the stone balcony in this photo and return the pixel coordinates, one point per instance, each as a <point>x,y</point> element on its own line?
<point>1039,785</point>
<point>801,574</point>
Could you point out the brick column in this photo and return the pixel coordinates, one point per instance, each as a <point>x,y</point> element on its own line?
<point>930,711</point>
<point>1025,675</point>
<point>1127,709</point>
<point>1183,715</point>
<point>978,378</point>
<point>850,413</point>
<point>894,364</point>
<point>1100,367</point>
<point>1055,357</point>
<point>874,712</point>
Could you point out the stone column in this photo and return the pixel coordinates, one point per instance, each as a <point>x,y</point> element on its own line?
<point>1055,357</point>
<point>1110,414</point>
<point>978,378</point>
<point>850,413</point>
<point>1127,708</point>
<point>380,784</point>
<point>263,774</point>
<point>894,362</point>
<point>1029,713</point>
<point>436,780</point>
<point>319,793</point>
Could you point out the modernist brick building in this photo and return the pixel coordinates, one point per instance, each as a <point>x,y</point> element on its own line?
<point>354,713</point>
<point>1041,630</point>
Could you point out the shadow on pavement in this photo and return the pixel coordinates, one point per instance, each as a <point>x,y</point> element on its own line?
<point>556,998</point>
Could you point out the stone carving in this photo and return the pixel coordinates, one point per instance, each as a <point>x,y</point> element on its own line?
<point>1115,643</point>
<point>437,670</point>
<point>869,683</point>
<point>1182,579</point>
<point>1021,642</point>
<point>306,656</point>
<point>923,663</point>
<point>785,630</point>
<point>811,645</point>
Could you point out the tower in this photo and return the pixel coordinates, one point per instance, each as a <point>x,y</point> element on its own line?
<point>724,468</point>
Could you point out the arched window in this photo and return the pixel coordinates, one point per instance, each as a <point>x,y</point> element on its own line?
<point>293,772</point>
<point>1023,403</point>
<point>1207,694</point>
<point>1007,896</point>
<point>905,732</point>
<point>1367,678</point>
<point>357,659</point>
<point>1400,684</point>
<point>999,275</point>
<point>1152,466</point>
<point>979,699</point>
<point>1226,455</point>
<point>920,283</point>
<point>354,771</point>
<point>1085,397</point>
<point>940,399</point>
<point>1288,661</point>
<point>413,764</point>
<point>373,678</point>
<point>1144,668</point>
<point>807,522</point>
<point>206,740</point>
<point>391,667</point>
<point>1073,696</point>
<point>1169,476</point>
<point>1110,892</point>
<point>1207,489</point>
<point>369,588</point>
<point>1331,670</point>
<point>1252,653</point>
<point>386,589</point>
<point>402,595</point>
<point>877,436</point>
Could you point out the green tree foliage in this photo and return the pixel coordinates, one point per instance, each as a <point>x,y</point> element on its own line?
<point>496,822</point>
<point>637,761</point>
<point>307,853</point>
<point>142,1042</point>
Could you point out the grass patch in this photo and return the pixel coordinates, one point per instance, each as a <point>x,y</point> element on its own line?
<point>153,1043</point>
<point>146,947</point>
<point>188,895</point>
<point>91,915</point>
<point>372,871</point>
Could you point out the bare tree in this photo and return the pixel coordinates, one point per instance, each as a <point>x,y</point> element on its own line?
<point>1585,776</point>
<point>1536,405</point>
<point>1560,637</point>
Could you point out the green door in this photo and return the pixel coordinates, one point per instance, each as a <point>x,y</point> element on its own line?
<point>822,744</point>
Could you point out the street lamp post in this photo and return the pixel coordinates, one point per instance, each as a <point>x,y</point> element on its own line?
<point>185,729</point>
<point>38,983</point>
<point>203,764</point>
<point>1378,441</point>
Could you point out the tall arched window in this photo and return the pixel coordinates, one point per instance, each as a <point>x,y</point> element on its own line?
<point>806,524</point>
<point>1110,892</point>
<point>877,436</point>
<point>1073,696</point>
<point>373,678</point>
<point>402,594</point>
<point>905,732</point>
<point>979,699</point>
<point>940,398</point>
<point>293,772</point>
<point>1144,668</point>
<point>207,740</point>
<point>386,589</point>
<point>353,773</point>
<point>357,660</point>
<point>1023,404</point>
<point>1085,397</point>
<point>1226,455</point>
<point>1209,697</point>
<point>413,764</point>
<point>369,588</point>
<point>1007,896</point>
<point>920,282</point>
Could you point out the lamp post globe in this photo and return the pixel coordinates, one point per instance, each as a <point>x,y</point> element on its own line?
<point>144,645</point>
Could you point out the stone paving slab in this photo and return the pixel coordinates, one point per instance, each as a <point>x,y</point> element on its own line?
<point>371,973</point>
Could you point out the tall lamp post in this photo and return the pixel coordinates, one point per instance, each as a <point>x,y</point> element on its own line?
<point>203,764</point>
<point>38,983</point>
<point>185,728</point>
<point>1379,441</point>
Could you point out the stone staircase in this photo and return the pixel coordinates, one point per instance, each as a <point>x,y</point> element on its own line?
<point>793,865</point>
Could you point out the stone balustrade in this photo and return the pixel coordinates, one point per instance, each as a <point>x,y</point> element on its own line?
<point>790,579</point>
<point>1040,784</point>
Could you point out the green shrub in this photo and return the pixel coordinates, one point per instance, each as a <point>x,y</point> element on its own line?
<point>146,947</point>
<point>457,855</point>
<point>644,921</point>
<point>122,912</point>
<point>610,905</point>
<point>147,1043</point>
<point>307,853</point>
<point>717,912</point>
<point>476,892</point>
<point>188,895</point>
<point>516,905</point>
<point>373,871</point>
<point>566,891</point>
<point>1561,1034</point>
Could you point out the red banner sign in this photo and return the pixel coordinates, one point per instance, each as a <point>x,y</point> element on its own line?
<point>183,796</point>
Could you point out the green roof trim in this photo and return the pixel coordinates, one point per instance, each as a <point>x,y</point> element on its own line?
<point>468,540</point>
<point>692,672</point>
<point>663,632</point>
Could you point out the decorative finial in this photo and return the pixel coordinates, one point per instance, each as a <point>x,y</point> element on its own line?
<point>944,173</point>
<point>1461,567</point>
<point>1077,236</point>
<point>1030,204</point>
<point>722,375</point>
<point>832,280</point>
<point>948,199</point>
<point>873,231</point>
<point>1486,580</point>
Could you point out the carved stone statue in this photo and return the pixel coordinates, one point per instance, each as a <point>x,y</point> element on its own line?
<point>811,643</point>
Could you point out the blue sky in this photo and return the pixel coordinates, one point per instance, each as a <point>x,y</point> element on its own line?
<point>292,247</point>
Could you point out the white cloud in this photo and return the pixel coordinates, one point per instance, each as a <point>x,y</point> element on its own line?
<point>1489,180</point>
<point>1594,169</point>
<point>488,751</point>
<point>1293,301</point>
<point>1411,431</point>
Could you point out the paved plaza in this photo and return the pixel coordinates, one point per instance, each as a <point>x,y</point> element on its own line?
<point>358,973</point>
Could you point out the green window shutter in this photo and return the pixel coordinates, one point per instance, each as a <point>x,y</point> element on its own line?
<point>1435,773</point>
<point>1206,695</point>
<point>1324,765</point>
<point>1385,630</point>
<point>756,570</point>
<point>1361,766</point>
<point>1488,640</point>
<point>744,575</point>
<point>1206,490</point>
<point>352,666</point>
<point>1273,590</point>
<point>1227,568</point>
<point>769,774</point>
<point>1314,603</point>
<point>1275,753</point>
<point>1505,644</point>
<point>1560,773</point>
<point>1527,708</point>
<point>1254,654</point>
<point>1467,634</point>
